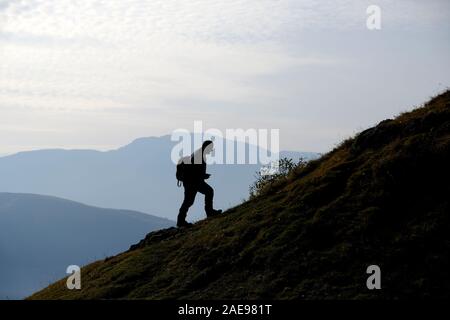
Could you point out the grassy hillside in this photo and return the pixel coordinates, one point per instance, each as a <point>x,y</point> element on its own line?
<point>379,198</point>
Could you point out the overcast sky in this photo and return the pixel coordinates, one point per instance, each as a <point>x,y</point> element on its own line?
<point>100,73</point>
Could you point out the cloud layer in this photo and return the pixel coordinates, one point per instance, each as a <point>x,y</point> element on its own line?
<point>103,72</point>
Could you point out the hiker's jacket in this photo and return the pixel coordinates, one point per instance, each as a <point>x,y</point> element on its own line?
<point>196,169</point>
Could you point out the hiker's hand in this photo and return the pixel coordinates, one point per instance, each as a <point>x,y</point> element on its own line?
<point>207,175</point>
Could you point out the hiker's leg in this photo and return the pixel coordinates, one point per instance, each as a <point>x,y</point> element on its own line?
<point>189,198</point>
<point>208,191</point>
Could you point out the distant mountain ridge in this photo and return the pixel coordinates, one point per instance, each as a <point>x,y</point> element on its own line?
<point>139,176</point>
<point>40,236</point>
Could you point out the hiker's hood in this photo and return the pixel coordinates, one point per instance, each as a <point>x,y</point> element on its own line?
<point>198,156</point>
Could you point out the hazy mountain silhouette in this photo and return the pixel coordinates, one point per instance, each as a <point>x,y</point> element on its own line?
<point>40,236</point>
<point>139,176</point>
<point>381,198</point>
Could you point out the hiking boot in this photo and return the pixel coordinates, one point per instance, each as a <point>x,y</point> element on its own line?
<point>183,223</point>
<point>213,213</point>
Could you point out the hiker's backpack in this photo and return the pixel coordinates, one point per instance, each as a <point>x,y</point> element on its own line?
<point>182,169</point>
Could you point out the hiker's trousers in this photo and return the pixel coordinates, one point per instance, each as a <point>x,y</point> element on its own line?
<point>190,191</point>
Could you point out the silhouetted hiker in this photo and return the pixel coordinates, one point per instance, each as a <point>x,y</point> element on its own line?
<point>191,171</point>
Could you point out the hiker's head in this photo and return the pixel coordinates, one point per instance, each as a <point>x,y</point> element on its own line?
<point>207,147</point>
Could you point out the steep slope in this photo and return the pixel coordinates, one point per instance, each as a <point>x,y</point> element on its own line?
<point>380,198</point>
<point>41,236</point>
<point>122,178</point>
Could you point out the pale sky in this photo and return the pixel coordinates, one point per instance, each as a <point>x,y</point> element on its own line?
<point>99,73</point>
